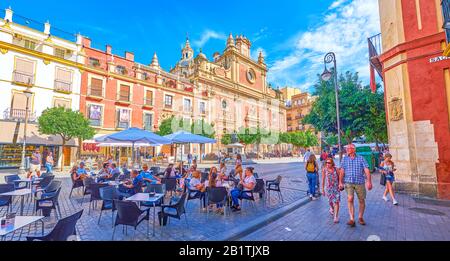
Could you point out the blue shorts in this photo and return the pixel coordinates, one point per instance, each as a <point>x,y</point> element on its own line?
<point>390,178</point>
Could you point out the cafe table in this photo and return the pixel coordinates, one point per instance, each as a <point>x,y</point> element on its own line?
<point>145,197</point>
<point>18,193</point>
<point>20,222</point>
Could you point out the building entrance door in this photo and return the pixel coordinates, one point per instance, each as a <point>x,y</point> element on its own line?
<point>66,152</point>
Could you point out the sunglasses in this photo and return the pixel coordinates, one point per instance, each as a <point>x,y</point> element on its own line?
<point>329,163</point>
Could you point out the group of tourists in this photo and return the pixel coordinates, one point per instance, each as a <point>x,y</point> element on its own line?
<point>353,175</point>
<point>35,163</point>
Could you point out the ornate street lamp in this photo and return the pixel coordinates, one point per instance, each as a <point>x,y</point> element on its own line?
<point>28,94</point>
<point>326,76</point>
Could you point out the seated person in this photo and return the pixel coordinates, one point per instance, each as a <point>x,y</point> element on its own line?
<point>170,171</point>
<point>80,173</point>
<point>114,171</point>
<point>104,173</point>
<point>125,170</point>
<point>148,177</point>
<point>245,185</point>
<point>215,182</point>
<point>222,172</point>
<point>131,187</point>
<point>180,170</point>
<point>196,187</point>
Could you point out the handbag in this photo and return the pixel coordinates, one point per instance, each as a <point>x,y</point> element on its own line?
<point>383,180</point>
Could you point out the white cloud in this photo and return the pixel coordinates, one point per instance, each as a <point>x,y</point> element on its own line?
<point>206,36</point>
<point>336,4</point>
<point>254,53</point>
<point>344,31</point>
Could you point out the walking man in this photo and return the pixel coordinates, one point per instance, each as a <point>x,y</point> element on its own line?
<point>35,164</point>
<point>355,174</point>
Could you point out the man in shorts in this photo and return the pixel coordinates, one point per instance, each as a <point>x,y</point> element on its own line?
<point>354,172</point>
<point>35,163</point>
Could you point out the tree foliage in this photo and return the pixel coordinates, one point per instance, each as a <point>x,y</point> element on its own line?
<point>66,123</point>
<point>361,112</point>
<point>200,127</point>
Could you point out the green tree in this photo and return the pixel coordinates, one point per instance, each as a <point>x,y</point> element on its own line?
<point>357,108</point>
<point>67,124</point>
<point>226,139</point>
<point>165,127</point>
<point>248,136</point>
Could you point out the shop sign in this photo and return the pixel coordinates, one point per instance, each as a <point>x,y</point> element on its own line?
<point>91,147</point>
<point>438,59</point>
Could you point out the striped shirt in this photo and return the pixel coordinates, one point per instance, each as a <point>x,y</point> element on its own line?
<point>354,169</point>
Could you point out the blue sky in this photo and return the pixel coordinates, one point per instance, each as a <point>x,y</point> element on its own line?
<point>294,35</point>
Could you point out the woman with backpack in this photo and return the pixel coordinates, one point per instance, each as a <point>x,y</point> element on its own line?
<point>311,173</point>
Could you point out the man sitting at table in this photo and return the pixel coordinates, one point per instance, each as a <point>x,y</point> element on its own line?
<point>131,187</point>
<point>104,173</point>
<point>148,177</point>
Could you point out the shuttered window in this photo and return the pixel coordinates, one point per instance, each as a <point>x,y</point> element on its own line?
<point>20,101</point>
<point>96,87</point>
<point>61,103</point>
<point>63,75</point>
<point>124,93</point>
<point>25,66</point>
<point>148,98</point>
<point>59,52</point>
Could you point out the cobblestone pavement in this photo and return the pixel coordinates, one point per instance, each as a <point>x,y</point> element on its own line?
<point>412,219</point>
<point>199,228</point>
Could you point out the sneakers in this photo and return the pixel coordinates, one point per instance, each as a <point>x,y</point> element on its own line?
<point>310,197</point>
<point>385,198</point>
<point>395,202</point>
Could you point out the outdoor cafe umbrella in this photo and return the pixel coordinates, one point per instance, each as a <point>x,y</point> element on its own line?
<point>135,137</point>
<point>181,137</point>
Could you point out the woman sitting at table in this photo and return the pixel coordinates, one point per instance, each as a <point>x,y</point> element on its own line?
<point>131,187</point>
<point>180,170</point>
<point>197,188</point>
<point>148,176</point>
<point>80,172</point>
<point>104,173</point>
<point>243,188</point>
<point>214,181</point>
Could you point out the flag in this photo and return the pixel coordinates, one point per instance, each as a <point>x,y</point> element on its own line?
<point>373,84</point>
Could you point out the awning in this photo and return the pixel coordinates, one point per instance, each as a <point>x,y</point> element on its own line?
<point>9,130</point>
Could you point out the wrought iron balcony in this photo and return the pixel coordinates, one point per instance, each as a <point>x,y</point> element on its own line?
<point>375,50</point>
<point>23,78</point>
<point>63,86</point>
<point>13,114</point>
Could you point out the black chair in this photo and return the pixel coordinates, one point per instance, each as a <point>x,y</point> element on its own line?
<point>52,187</point>
<point>17,185</point>
<point>6,200</point>
<point>45,182</point>
<point>204,177</point>
<point>255,174</point>
<point>47,202</point>
<point>171,184</point>
<point>87,187</point>
<point>129,214</point>
<point>175,210</point>
<point>45,174</point>
<point>63,229</point>
<point>95,194</point>
<point>108,195</point>
<point>157,188</point>
<point>75,184</point>
<point>217,195</point>
<point>193,194</point>
<point>274,185</point>
<point>207,170</point>
<point>259,188</point>
<point>155,170</point>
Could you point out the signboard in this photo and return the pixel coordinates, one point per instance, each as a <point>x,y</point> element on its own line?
<point>438,59</point>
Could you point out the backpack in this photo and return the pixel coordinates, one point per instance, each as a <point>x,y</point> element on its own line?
<point>310,167</point>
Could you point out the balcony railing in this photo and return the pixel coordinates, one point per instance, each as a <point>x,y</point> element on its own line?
<point>124,97</point>
<point>63,86</point>
<point>375,50</point>
<point>23,78</point>
<point>148,102</point>
<point>18,114</point>
<point>168,106</point>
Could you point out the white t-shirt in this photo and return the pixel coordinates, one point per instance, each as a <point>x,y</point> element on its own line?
<point>248,180</point>
<point>193,183</point>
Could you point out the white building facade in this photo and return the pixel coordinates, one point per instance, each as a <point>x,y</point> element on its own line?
<point>36,62</point>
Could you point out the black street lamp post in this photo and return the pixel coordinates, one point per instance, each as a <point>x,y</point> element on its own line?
<point>326,76</point>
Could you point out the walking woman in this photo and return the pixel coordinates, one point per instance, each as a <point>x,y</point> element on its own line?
<point>49,162</point>
<point>311,173</point>
<point>387,169</point>
<point>238,168</point>
<point>331,176</point>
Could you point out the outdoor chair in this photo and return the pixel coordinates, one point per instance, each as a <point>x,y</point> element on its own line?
<point>47,202</point>
<point>207,170</point>
<point>44,182</point>
<point>75,184</point>
<point>17,185</point>
<point>274,185</point>
<point>95,194</point>
<point>259,188</point>
<point>193,194</point>
<point>45,174</point>
<point>63,229</point>
<point>255,174</point>
<point>155,170</point>
<point>129,214</point>
<point>204,177</point>
<point>218,195</point>
<point>171,184</point>
<point>87,187</point>
<point>108,195</point>
<point>175,210</point>
<point>6,200</point>
<point>53,186</point>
